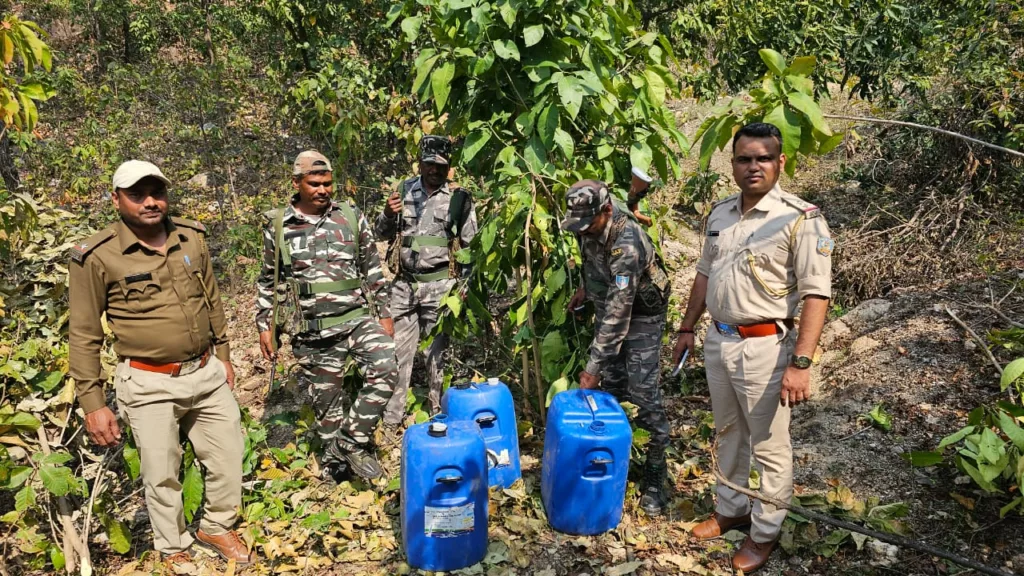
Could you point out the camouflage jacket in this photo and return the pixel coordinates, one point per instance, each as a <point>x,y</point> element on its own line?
<point>322,249</point>
<point>424,215</point>
<point>624,278</point>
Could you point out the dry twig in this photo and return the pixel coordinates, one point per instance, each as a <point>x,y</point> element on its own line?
<point>882,536</point>
<point>977,339</point>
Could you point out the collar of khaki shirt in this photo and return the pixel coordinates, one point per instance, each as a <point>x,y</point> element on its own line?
<point>769,202</point>
<point>128,238</point>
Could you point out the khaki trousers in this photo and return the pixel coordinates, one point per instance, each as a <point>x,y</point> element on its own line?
<point>745,381</point>
<point>158,407</point>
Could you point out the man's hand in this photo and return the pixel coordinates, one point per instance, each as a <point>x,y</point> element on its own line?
<point>588,381</point>
<point>578,299</point>
<point>685,342</point>
<point>229,370</point>
<point>796,386</point>
<point>394,205</point>
<point>388,324</point>
<point>266,346</point>
<point>101,425</point>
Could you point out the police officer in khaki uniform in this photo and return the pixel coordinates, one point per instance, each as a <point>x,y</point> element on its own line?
<point>766,259</point>
<point>153,277</point>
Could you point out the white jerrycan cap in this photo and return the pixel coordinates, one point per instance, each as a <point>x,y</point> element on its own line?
<point>438,429</point>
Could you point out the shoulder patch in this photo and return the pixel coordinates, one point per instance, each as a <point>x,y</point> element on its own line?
<point>809,210</point>
<point>81,250</point>
<point>616,252</point>
<point>188,223</point>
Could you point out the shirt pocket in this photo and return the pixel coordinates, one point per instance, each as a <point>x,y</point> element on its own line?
<point>766,260</point>
<point>142,291</point>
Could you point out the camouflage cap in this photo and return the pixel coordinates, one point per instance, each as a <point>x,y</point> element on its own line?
<point>584,200</point>
<point>310,161</point>
<point>435,149</point>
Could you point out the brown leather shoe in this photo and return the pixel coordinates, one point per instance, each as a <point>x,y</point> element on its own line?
<point>176,559</point>
<point>752,555</point>
<point>717,525</point>
<point>228,545</point>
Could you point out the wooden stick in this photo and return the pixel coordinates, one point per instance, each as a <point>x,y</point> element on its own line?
<point>541,396</point>
<point>72,543</point>
<point>526,353</point>
<point>883,536</point>
<point>923,127</point>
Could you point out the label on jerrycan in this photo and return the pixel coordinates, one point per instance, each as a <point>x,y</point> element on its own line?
<point>449,521</point>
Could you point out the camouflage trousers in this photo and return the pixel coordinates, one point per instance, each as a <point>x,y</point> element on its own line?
<point>414,307</point>
<point>634,376</point>
<point>322,361</point>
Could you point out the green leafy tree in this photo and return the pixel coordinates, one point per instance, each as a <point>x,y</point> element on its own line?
<point>541,94</point>
<point>786,100</point>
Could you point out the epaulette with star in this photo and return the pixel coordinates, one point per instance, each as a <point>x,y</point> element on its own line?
<point>81,250</point>
<point>189,223</point>
<point>809,210</point>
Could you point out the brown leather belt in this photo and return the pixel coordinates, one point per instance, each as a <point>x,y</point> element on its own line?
<point>174,368</point>
<point>758,330</point>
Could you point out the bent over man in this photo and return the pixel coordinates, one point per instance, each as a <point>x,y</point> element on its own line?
<point>428,219</point>
<point>153,277</point>
<point>766,256</point>
<point>625,279</point>
<point>324,250</point>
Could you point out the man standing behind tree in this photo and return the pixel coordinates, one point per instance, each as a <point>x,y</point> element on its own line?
<point>324,250</point>
<point>153,277</point>
<point>433,219</point>
<point>766,255</point>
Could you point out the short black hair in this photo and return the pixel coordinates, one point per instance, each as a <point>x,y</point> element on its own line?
<point>758,130</point>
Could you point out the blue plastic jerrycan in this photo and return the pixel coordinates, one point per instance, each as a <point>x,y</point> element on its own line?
<point>489,404</point>
<point>586,462</point>
<point>444,495</point>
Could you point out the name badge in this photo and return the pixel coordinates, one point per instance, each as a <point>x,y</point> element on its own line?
<point>138,278</point>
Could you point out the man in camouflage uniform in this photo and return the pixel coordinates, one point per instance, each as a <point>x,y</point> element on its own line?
<point>430,218</point>
<point>326,253</point>
<point>627,283</point>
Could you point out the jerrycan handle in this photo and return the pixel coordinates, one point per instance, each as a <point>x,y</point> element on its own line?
<point>601,461</point>
<point>449,479</point>
<point>589,401</point>
<point>486,419</point>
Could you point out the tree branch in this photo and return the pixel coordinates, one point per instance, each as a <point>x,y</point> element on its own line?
<point>923,127</point>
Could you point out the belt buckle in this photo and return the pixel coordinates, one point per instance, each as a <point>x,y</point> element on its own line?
<point>190,366</point>
<point>727,329</point>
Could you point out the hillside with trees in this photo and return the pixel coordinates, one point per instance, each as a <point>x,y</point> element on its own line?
<point>904,122</point>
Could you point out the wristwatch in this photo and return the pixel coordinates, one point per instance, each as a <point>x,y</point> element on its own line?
<point>801,362</point>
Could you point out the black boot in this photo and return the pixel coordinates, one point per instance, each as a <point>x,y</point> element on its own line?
<point>654,486</point>
<point>335,472</point>
<point>359,460</point>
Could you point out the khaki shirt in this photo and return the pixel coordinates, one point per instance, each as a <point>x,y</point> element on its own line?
<point>758,268</point>
<point>161,307</point>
